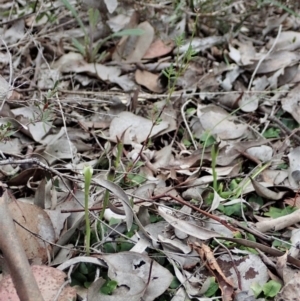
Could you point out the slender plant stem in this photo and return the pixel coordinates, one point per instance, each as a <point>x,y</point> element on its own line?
<point>88,172</point>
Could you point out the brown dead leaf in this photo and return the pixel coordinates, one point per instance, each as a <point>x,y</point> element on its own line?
<point>159,48</point>
<point>35,220</point>
<point>35,174</point>
<point>207,256</point>
<point>49,280</point>
<point>74,62</point>
<point>138,45</point>
<point>148,80</point>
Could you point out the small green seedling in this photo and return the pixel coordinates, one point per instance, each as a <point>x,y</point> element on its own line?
<point>269,289</point>
<point>279,212</point>
<point>212,289</point>
<point>108,287</point>
<point>87,49</point>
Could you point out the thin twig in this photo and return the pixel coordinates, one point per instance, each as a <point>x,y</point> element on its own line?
<point>282,126</point>
<point>65,128</point>
<point>263,58</point>
<point>186,124</point>
<point>238,275</point>
<point>207,214</point>
<point>145,142</point>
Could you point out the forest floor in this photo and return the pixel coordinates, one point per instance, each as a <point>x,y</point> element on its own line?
<point>150,149</point>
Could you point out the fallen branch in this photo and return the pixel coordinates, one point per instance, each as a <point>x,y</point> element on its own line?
<point>15,257</point>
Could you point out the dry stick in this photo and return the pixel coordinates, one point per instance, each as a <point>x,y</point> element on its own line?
<point>253,231</point>
<point>38,62</point>
<point>279,223</point>
<point>264,248</point>
<point>99,208</point>
<point>21,273</point>
<point>214,217</point>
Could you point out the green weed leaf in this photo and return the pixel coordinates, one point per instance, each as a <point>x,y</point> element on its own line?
<point>79,46</point>
<point>212,288</point>
<point>94,16</point>
<point>256,288</point>
<point>271,133</point>
<point>271,288</point>
<point>108,287</point>
<point>175,283</point>
<point>70,7</point>
<point>128,32</point>
<point>278,212</point>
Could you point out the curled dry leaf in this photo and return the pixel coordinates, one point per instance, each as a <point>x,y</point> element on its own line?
<point>244,54</point>
<point>226,285</point>
<point>74,62</point>
<point>184,226</point>
<point>35,220</point>
<point>290,278</point>
<point>287,40</point>
<point>36,130</point>
<point>118,22</point>
<point>119,193</point>
<point>11,147</point>
<point>175,244</point>
<point>33,174</point>
<point>130,125</point>
<point>58,149</point>
<point>111,5</point>
<point>268,193</point>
